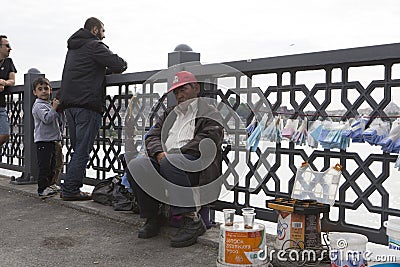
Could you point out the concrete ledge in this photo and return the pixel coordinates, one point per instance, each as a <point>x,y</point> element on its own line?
<point>210,238</point>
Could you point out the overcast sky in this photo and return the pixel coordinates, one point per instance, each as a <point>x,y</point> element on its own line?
<point>143,32</point>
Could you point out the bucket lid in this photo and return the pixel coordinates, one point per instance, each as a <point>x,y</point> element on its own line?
<point>349,238</point>
<point>393,224</point>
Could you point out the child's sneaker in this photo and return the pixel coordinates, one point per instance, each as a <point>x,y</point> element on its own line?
<point>55,187</point>
<point>48,192</point>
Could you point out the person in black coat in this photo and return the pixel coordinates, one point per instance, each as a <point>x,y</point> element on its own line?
<point>87,62</point>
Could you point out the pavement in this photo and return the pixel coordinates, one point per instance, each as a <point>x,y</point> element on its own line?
<point>49,232</point>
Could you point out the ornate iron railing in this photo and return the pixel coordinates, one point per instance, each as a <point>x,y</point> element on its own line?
<point>294,86</point>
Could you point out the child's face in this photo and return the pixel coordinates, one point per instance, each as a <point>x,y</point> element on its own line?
<point>42,91</point>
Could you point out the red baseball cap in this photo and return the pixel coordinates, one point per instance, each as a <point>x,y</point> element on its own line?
<point>182,78</point>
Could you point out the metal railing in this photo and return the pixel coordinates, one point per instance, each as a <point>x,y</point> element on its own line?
<point>270,84</point>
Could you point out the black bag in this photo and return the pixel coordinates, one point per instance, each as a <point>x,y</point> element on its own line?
<point>103,192</point>
<point>123,199</point>
<point>111,192</point>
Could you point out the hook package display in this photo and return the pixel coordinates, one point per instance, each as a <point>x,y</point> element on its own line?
<point>298,224</point>
<point>319,186</point>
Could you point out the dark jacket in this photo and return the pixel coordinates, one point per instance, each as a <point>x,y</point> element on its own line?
<point>87,62</point>
<point>208,125</point>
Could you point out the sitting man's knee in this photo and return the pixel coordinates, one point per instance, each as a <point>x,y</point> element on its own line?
<point>138,161</point>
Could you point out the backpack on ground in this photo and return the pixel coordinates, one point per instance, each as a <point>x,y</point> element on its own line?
<point>111,192</point>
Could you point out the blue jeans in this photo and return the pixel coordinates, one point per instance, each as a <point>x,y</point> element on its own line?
<point>4,125</point>
<point>83,126</point>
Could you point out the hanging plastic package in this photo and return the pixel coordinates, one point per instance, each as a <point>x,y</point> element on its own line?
<point>346,133</point>
<point>391,143</point>
<point>269,132</point>
<point>290,128</point>
<point>314,133</point>
<point>336,138</point>
<point>345,143</point>
<point>332,135</point>
<point>279,127</point>
<point>396,146</point>
<point>376,131</point>
<point>397,165</point>
<point>300,136</point>
<point>325,136</point>
<point>252,126</point>
<point>254,139</point>
<point>273,132</point>
<point>357,129</point>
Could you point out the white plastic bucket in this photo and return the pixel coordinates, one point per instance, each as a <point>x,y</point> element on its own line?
<point>348,249</point>
<point>241,247</point>
<point>393,232</point>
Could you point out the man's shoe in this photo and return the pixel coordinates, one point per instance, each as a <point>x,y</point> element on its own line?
<point>188,233</point>
<point>151,228</point>
<point>81,196</point>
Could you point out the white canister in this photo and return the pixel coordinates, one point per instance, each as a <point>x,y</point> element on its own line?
<point>393,233</point>
<point>348,249</point>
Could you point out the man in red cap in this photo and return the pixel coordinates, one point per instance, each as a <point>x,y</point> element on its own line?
<point>175,154</point>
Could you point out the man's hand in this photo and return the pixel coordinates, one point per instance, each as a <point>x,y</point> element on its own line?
<point>160,156</point>
<point>3,84</point>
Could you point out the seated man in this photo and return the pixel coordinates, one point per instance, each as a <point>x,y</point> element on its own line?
<point>184,153</point>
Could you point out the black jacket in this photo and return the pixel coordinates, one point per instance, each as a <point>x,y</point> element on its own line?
<point>208,124</point>
<point>87,62</point>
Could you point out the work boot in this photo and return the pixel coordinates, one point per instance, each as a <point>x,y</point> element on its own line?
<point>187,234</point>
<point>151,227</point>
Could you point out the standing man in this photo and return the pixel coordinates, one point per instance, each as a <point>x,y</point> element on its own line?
<point>7,78</point>
<point>87,62</point>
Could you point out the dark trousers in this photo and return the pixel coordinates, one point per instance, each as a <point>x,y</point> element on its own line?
<point>155,183</point>
<point>46,159</point>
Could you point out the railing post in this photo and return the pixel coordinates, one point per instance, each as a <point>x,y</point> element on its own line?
<point>182,54</point>
<point>29,175</point>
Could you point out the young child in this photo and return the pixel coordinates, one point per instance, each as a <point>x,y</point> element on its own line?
<point>46,133</point>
